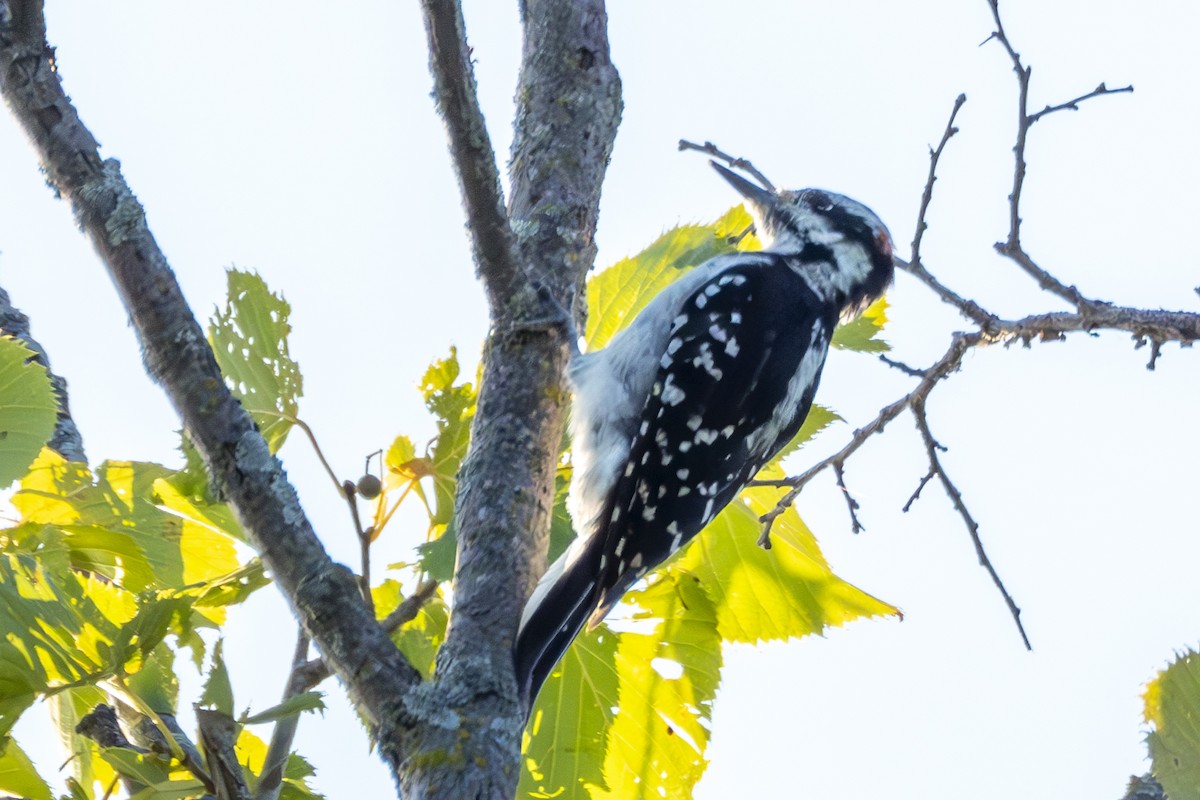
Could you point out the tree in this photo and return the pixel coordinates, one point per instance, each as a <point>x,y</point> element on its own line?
<point>480,610</point>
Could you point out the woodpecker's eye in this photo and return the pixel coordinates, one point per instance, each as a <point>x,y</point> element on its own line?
<point>818,200</point>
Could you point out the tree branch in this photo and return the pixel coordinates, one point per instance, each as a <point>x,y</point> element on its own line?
<point>177,354</point>
<point>914,266</point>
<point>270,780</point>
<point>734,162</point>
<point>1153,327</point>
<point>471,149</point>
<point>1012,247</point>
<point>312,672</point>
<point>936,469</point>
<point>568,106</point>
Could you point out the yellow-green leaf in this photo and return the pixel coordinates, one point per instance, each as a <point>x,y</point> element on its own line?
<point>765,595</point>
<point>113,525</point>
<point>1173,708</point>
<point>18,776</point>
<point>668,680</point>
<point>860,334</point>
<point>420,637</point>
<point>568,732</point>
<point>616,294</point>
<point>28,409</point>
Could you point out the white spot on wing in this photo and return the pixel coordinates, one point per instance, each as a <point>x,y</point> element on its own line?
<point>672,395</point>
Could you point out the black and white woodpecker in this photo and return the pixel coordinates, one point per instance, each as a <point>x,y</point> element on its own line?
<point>687,403</point>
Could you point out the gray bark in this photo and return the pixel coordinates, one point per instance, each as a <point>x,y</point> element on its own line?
<point>460,735</point>
<point>324,595</point>
<point>568,110</point>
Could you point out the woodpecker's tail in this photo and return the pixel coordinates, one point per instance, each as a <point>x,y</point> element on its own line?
<point>556,612</point>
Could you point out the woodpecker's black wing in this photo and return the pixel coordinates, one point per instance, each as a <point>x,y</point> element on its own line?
<point>734,385</point>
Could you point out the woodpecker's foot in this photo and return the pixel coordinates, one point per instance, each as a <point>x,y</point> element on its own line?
<point>558,318</point>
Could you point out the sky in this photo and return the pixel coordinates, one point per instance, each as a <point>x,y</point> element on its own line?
<point>299,140</point>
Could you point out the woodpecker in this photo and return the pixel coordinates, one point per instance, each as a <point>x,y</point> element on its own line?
<point>686,404</point>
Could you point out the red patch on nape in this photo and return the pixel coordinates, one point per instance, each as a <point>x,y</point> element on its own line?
<point>884,242</point>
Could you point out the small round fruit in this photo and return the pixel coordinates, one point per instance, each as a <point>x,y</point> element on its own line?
<point>369,487</point>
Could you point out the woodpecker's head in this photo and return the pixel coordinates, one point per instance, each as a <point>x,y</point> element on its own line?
<point>837,240</point>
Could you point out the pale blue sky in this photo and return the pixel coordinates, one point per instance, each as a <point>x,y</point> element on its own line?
<point>299,140</point>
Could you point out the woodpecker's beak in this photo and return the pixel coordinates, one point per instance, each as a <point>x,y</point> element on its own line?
<point>759,198</point>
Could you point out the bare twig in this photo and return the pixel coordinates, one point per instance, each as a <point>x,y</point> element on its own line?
<point>313,671</point>
<point>914,266</point>
<point>946,365</point>
<point>1012,247</point>
<point>733,161</point>
<point>349,493</point>
<point>1153,327</point>
<point>917,492</point>
<point>910,371</point>
<point>1073,105</point>
<point>471,149</point>
<point>271,779</point>
<point>312,438</point>
<point>935,465</point>
<point>851,504</point>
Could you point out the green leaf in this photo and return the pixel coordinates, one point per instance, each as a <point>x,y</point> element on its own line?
<point>401,464</point>
<point>250,340</point>
<point>293,706</point>
<point>438,555</point>
<point>296,773</point>
<point>218,691</point>
<point>819,418</point>
<point>453,406</point>
<point>18,776</point>
<point>568,732</point>
<point>141,635</point>
<point>51,632</point>
<point>562,531</point>
<point>1173,708</point>
<point>615,295</point>
<point>420,637</point>
<point>770,595</point>
<point>147,769</point>
<point>28,408</point>
<point>156,683</point>
<point>860,334</point>
<point>668,682</point>
<point>68,708</point>
<point>176,494</point>
<point>114,527</point>
<point>171,790</point>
